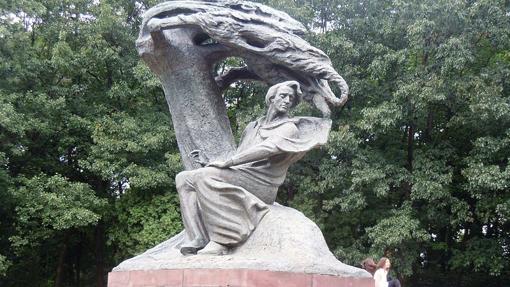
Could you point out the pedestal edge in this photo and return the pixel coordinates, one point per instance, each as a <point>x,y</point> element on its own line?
<point>230,278</point>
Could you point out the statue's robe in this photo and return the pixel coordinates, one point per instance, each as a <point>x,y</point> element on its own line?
<point>233,200</point>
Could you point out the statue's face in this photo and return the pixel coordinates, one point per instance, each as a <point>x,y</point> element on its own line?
<point>283,100</point>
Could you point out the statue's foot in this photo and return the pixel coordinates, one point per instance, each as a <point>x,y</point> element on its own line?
<point>193,246</point>
<point>214,248</point>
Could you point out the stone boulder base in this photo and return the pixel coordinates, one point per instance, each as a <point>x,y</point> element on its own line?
<point>285,247</point>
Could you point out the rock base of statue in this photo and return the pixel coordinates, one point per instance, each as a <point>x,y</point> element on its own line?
<point>286,249</point>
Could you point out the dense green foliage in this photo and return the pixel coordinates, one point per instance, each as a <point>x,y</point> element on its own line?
<point>88,155</point>
<point>416,168</point>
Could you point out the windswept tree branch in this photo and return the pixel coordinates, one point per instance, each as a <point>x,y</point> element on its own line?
<point>268,40</point>
<point>224,80</point>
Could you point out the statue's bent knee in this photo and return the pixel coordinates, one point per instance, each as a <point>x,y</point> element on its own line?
<point>182,178</point>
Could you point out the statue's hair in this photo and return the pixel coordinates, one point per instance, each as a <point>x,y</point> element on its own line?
<point>273,91</point>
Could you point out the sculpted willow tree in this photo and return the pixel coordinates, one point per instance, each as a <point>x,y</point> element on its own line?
<point>181,41</point>
<point>228,206</point>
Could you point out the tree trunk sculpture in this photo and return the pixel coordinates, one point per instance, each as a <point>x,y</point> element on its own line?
<point>182,40</point>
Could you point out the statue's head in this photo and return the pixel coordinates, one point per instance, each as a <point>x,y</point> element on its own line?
<point>284,96</point>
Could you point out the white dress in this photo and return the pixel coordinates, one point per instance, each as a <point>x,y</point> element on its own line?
<point>381,278</point>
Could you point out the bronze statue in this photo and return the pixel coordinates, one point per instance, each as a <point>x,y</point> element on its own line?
<point>227,194</point>
<point>224,201</point>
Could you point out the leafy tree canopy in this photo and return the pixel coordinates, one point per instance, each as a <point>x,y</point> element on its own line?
<point>416,167</point>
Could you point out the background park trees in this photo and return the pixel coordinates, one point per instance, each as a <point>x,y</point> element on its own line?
<point>416,167</point>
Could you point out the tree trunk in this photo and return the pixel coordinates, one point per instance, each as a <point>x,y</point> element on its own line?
<point>77,263</point>
<point>430,121</point>
<point>99,252</point>
<point>410,147</point>
<point>195,102</point>
<point>61,261</point>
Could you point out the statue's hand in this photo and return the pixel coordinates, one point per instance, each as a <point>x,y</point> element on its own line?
<point>220,164</point>
<point>198,157</point>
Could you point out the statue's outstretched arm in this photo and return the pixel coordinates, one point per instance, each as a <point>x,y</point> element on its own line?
<point>255,153</point>
<point>261,151</point>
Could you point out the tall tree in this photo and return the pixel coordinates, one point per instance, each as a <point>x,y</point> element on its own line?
<point>417,169</point>
<point>84,128</point>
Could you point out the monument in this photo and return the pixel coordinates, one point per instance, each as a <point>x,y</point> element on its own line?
<point>235,234</point>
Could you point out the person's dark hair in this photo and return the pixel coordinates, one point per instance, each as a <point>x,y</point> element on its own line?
<point>382,262</point>
<point>369,265</point>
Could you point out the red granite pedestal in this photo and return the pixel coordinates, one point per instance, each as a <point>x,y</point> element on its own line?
<point>229,278</point>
